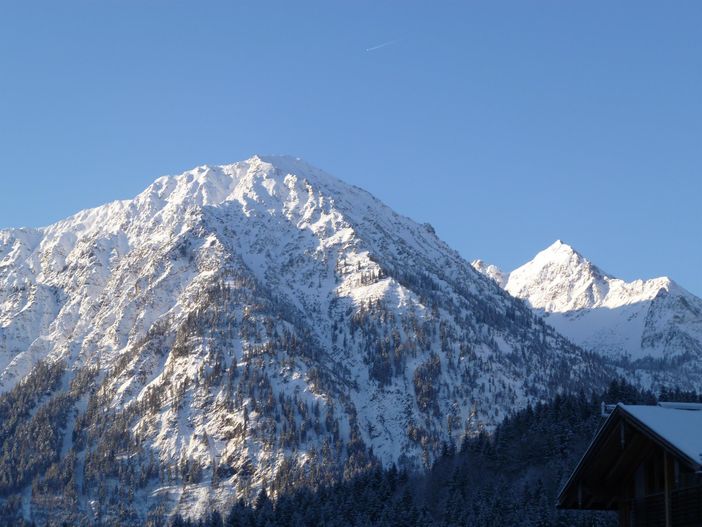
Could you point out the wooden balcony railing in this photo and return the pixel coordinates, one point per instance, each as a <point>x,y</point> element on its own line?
<point>686,507</point>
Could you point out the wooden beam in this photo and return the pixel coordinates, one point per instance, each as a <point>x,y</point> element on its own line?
<point>622,435</point>
<point>636,450</point>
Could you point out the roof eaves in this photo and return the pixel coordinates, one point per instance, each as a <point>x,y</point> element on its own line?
<point>659,438</point>
<point>597,437</point>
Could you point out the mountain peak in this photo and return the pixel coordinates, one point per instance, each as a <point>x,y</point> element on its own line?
<point>285,163</point>
<point>561,280</point>
<point>558,249</point>
<point>559,245</point>
<point>254,180</point>
<point>654,317</point>
<point>557,279</point>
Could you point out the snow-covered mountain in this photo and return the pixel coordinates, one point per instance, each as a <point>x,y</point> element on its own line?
<point>491,271</point>
<point>653,323</point>
<point>259,324</point>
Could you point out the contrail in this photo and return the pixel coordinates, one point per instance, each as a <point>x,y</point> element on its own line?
<point>384,44</point>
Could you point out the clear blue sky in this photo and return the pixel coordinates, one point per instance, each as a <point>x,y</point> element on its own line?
<point>506,125</point>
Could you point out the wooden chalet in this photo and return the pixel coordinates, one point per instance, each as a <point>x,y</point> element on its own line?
<point>645,462</point>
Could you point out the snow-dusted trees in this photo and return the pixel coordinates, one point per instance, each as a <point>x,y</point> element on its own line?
<point>509,478</point>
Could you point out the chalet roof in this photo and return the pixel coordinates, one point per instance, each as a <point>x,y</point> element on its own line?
<point>676,427</point>
<point>677,424</point>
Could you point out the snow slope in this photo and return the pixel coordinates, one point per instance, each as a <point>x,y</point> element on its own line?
<point>260,324</point>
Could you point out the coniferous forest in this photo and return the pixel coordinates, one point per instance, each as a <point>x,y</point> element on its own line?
<point>508,477</point>
<point>511,477</point>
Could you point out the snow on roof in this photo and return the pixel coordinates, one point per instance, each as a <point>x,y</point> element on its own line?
<point>681,406</point>
<point>680,425</point>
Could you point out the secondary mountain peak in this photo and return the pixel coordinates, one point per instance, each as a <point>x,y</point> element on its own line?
<point>557,245</point>
<point>558,279</point>
<point>634,320</point>
<point>558,252</point>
